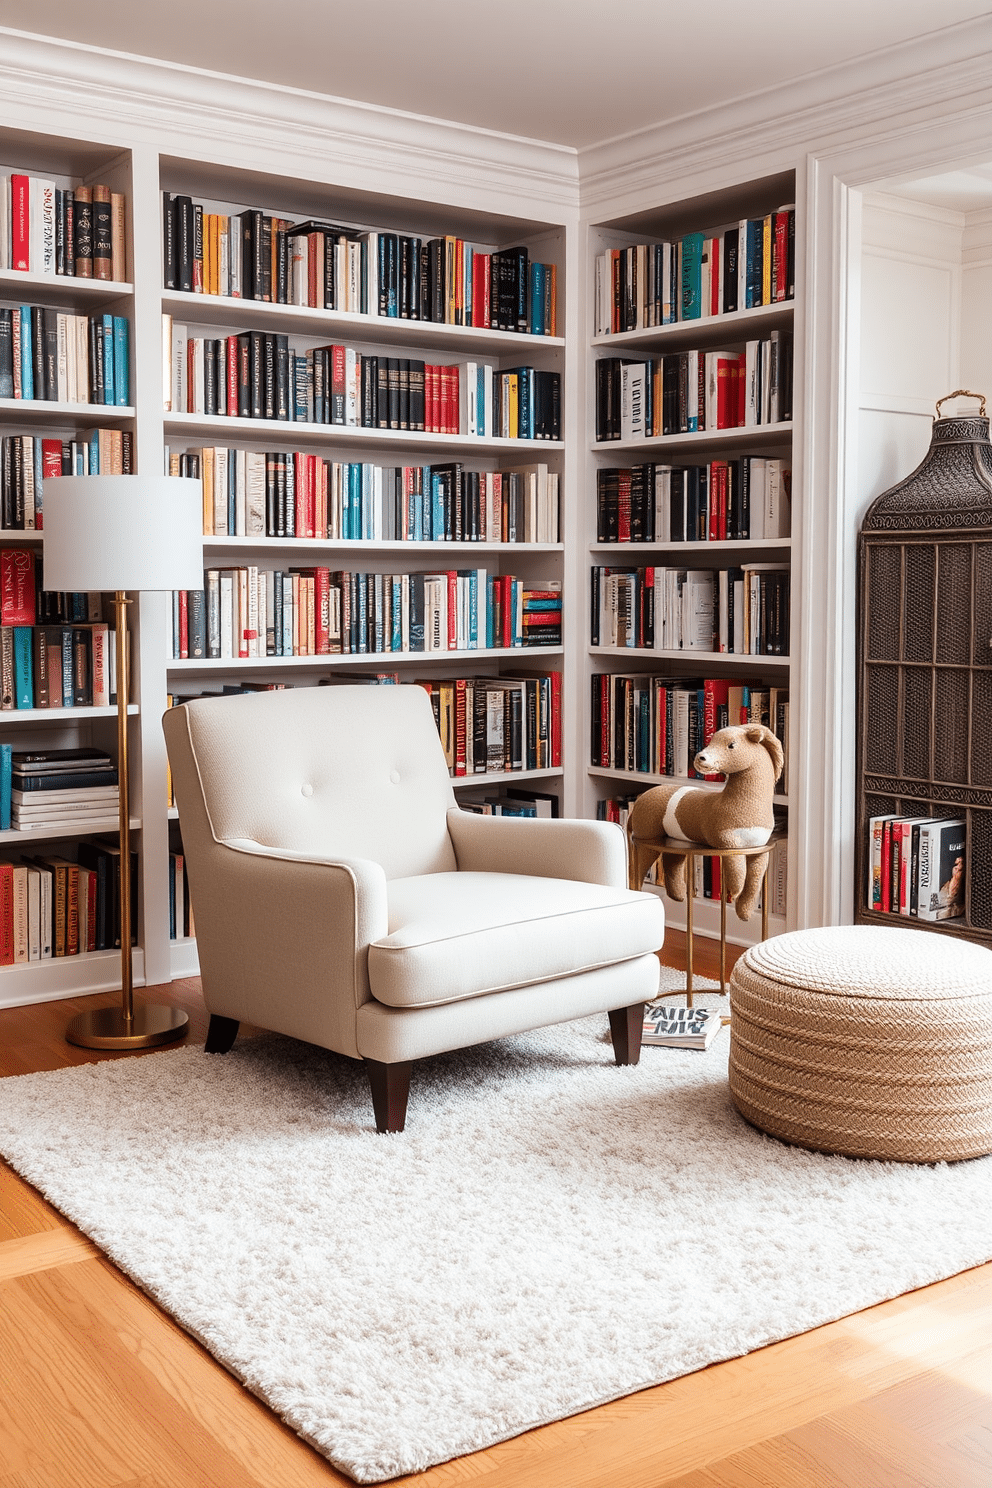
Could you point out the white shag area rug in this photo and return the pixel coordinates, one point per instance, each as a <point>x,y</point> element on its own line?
<point>550,1232</point>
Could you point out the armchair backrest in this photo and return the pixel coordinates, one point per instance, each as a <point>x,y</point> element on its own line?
<point>354,772</point>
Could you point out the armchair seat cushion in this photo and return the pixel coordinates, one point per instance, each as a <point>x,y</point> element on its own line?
<point>453,936</point>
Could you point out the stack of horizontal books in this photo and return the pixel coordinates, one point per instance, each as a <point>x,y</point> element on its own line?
<point>76,788</point>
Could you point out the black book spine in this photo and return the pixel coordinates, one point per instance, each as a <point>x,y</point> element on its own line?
<point>282,526</point>
<point>394,392</point>
<point>370,392</point>
<point>169,276</point>
<point>38,349</point>
<point>247,221</point>
<point>382,274</point>
<point>437,278</point>
<point>320,387</point>
<point>102,243</point>
<point>595,580</point>
<point>281,377</point>
<point>209,376</point>
<point>197,246</point>
<point>424,283</point>
<point>263,257</point>
<point>60,255</point>
<point>731,248</point>
<point>82,684</point>
<point>256,367</point>
<point>269,375</point>
<point>405,275</point>
<point>83,234</point>
<point>417,409</point>
<point>13,485</point>
<point>382,393</point>
<point>6,353</point>
<point>184,245</point>
<point>404,392</point>
<point>281,286</point>
<point>244,376</point>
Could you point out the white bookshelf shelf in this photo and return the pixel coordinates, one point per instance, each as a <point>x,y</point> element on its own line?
<point>450,340</point>
<point>694,659</point>
<point>505,777</point>
<point>53,830</point>
<point>63,289</point>
<point>753,437</point>
<point>283,433</point>
<point>724,546</point>
<point>376,661</point>
<point>24,716</point>
<point>44,410</point>
<point>731,330</point>
<point>293,545</point>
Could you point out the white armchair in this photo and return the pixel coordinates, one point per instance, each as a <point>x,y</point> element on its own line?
<point>341,896</point>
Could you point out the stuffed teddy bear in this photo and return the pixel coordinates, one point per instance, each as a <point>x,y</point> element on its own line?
<point>740,815</point>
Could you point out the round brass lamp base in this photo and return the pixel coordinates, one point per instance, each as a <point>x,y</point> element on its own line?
<point>106,1028</point>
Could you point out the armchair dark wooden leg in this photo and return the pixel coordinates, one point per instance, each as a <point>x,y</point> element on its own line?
<point>390,1089</point>
<point>221,1034</point>
<point>625,1029</point>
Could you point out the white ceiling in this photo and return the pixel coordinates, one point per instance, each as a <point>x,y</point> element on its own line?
<point>573,72</point>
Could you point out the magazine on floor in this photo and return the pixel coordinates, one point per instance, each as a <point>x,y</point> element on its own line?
<point>680,1027</point>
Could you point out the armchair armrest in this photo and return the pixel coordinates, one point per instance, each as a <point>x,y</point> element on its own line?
<point>587,851</point>
<point>285,938</point>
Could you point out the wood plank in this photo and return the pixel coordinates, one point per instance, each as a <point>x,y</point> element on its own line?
<point>62,1247</point>
<point>22,1209</point>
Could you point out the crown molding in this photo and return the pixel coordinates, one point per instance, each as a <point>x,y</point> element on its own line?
<point>879,96</point>
<point>49,85</point>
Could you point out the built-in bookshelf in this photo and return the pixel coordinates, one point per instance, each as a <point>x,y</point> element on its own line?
<point>691,403</point>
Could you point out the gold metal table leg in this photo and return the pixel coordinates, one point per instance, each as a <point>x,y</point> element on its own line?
<point>690,884</point>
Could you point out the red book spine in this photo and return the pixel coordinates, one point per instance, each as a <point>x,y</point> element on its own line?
<point>232,376</point>
<point>183,625</point>
<point>454,405</point>
<point>480,289</point>
<point>20,225</point>
<point>715,696</point>
<point>461,766</point>
<point>506,610</point>
<point>315,243</point>
<point>320,499</point>
<point>452,578</point>
<point>299,495</point>
<point>886,865</point>
<point>780,256</point>
<point>91,912</point>
<point>726,391</point>
<point>51,458</point>
<point>6,914</point>
<point>337,384</point>
<point>17,596</point>
<point>556,719</point>
<point>723,498</point>
<point>190,375</point>
<point>712,502</point>
<point>623,506</point>
<point>310,524</point>
<point>662,728</point>
<point>322,610</point>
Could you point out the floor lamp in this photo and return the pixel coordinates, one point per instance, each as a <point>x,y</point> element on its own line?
<point>119,533</point>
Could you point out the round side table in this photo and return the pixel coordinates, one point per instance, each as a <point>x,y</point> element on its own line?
<point>690,851</point>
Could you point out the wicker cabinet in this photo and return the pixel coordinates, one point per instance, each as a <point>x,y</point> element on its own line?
<point>924,744</point>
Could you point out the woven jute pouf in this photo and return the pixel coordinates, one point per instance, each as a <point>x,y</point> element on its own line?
<point>868,1041</point>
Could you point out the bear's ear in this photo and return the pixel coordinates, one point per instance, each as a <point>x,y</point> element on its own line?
<point>754,733</point>
<point>775,749</point>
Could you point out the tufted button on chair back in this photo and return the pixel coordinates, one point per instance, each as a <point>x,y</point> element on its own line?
<point>333,771</point>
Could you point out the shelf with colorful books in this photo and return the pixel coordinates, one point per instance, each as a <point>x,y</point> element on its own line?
<point>422,547</point>
<point>690,410</point>
<point>212,426</point>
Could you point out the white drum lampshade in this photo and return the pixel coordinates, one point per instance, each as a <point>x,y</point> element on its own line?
<point>111,532</point>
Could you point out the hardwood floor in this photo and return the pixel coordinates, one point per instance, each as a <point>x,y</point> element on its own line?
<point>100,1389</point>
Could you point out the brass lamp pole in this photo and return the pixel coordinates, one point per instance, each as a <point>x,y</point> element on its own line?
<point>118,533</point>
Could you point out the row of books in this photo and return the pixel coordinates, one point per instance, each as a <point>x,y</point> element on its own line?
<point>260,375</point>
<point>657,725</point>
<point>917,866</point>
<point>57,666</point>
<point>253,255</point>
<point>254,493</point>
<point>47,230</point>
<point>26,462</point>
<point>706,870</point>
<point>747,498</point>
<point>51,789</point>
<point>512,801</point>
<point>61,358</point>
<point>743,611</point>
<point>53,906</point>
<point>737,267</point>
<point>247,612</point>
<point>687,392</point>
<point>181,923</point>
<point>494,725</point>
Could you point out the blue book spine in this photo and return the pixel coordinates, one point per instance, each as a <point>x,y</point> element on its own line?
<point>108,361</point>
<point>424,506</point>
<point>27,353</point>
<point>396,636</point>
<point>537,274</point>
<point>473,609</point>
<point>368,502</point>
<point>39,484</point>
<point>93,458</point>
<point>277,611</point>
<point>362,593</point>
<point>489,614</point>
<point>122,362</point>
<point>355,500</point>
<point>692,266</point>
<point>6,767</point>
<point>23,668</point>
<point>753,263</point>
<point>438,533</point>
<point>518,612</point>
